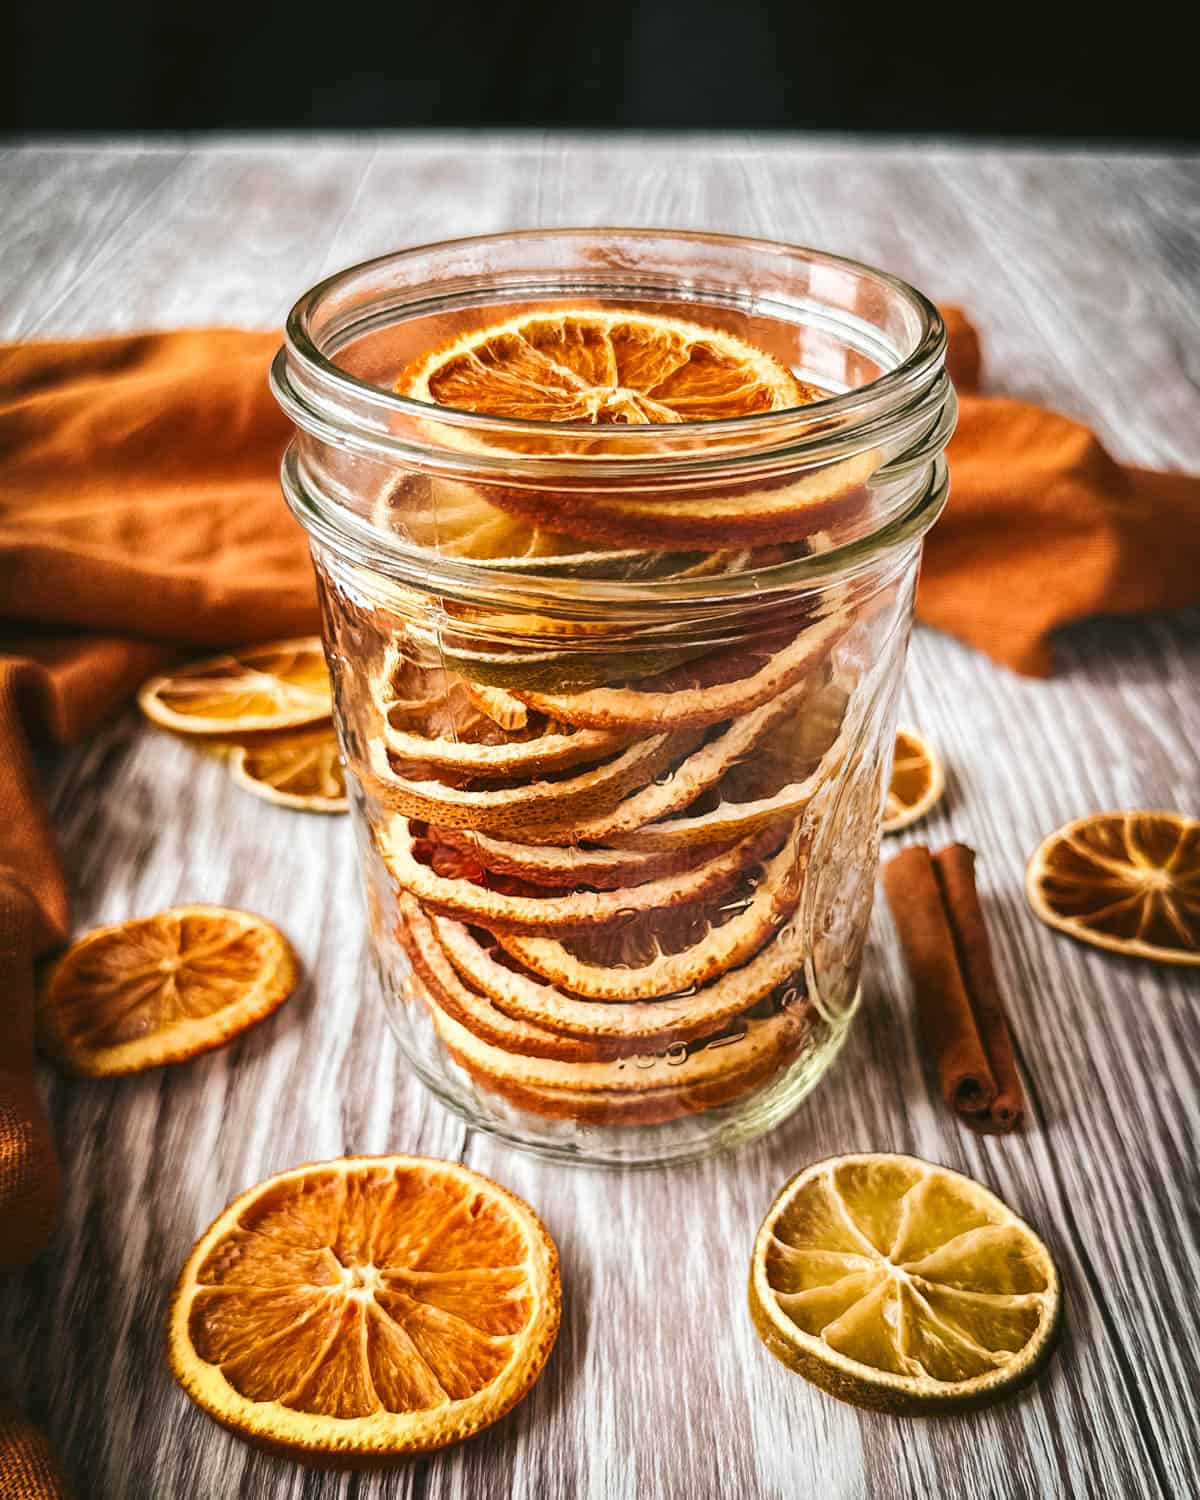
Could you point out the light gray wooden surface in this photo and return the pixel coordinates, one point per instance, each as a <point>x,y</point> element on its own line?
<point>1082,272</point>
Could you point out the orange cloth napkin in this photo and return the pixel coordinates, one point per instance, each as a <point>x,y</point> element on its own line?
<point>140,515</point>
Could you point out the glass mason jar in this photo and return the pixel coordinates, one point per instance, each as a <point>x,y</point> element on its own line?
<point>617,700</point>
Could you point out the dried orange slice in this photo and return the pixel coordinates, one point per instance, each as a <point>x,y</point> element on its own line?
<point>902,1286</point>
<point>161,989</point>
<point>570,866</point>
<point>744,1047</point>
<point>349,1311</point>
<point>280,685</point>
<point>446,723</point>
<point>300,770</point>
<point>918,781</point>
<point>460,895</point>
<point>590,366</point>
<point>516,809</point>
<point>1128,882</point>
<point>700,693</point>
<point>651,1024</point>
<point>664,951</point>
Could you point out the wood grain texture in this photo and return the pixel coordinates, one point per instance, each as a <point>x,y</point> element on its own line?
<point>1082,273</point>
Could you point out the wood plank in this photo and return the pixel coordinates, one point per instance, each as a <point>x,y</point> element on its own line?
<point>658,1387</point>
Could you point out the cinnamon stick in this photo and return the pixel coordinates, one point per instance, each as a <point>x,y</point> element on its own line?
<point>944,1011</point>
<point>955,867</point>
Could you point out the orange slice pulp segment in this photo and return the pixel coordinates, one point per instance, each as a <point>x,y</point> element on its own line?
<point>353,1310</point>
<point>160,989</point>
<point>1125,881</point>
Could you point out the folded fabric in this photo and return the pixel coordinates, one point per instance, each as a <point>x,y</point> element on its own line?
<point>140,516</point>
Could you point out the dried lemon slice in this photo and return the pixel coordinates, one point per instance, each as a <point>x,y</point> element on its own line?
<point>1128,882</point>
<point>777,969</point>
<point>918,781</point>
<point>664,952</point>
<point>902,1286</point>
<point>349,1311</point>
<point>280,685</point>
<point>546,912</point>
<point>161,989</point>
<point>298,770</point>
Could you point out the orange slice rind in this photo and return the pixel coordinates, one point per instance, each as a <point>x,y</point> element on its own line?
<point>672,970</point>
<point>918,781</point>
<point>649,1024</point>
<point>155,990</point>
<point>505,810</point>
<point>901,1286</point>
<point>648,706</point>
<point>553,912</point>
<point>351,1311</point>
<point>1128,882</point>
<point>279,685</point>
<point>303,771</point>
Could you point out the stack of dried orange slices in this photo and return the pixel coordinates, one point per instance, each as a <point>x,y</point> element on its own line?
<point>267,709</point>
<point>599,856</point>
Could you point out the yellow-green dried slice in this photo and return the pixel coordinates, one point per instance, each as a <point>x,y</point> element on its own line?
<point>902,1286</point>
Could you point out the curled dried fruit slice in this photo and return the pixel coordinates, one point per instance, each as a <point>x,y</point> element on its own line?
<point>785,772</point>
<point>475,1011</point>
<point>442,722</point>
<point>645,819</point>
<point>1128,882</point>
<point>760,512</point>
<point>280,685</point>
<point>902,1286</point>
<point>300,770</point>
<point>653,1023</point>
<point>665,952</point>
<point>743,1048</point>
<point>550,913</point>
<point>585,365</point>
<point>161,989</point>
<point>512,809</point>
<point>918,781</point>
<point>548,864</point>
<point>349,1311</point>
<point>699,693</point>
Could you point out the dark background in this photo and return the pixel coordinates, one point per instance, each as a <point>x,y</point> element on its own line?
<point>1021,70</point>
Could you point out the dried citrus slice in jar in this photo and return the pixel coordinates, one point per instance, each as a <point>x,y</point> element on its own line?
<point>608,367</point>
<point>160,989</point>
<point>902,1286</point>
<point>301,770</point>
<point>918,781</point>
<point>601,368</point>
<point>279,685</point>
<point>350,1311</point>
<point>1125,881</point>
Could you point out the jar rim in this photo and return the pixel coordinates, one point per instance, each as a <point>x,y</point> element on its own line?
<point>835,412</point>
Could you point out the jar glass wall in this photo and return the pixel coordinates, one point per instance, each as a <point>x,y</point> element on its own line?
<point>617,701</point>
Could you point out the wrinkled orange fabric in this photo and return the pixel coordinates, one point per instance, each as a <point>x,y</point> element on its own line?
<point>140,515</point>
